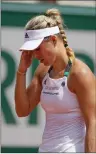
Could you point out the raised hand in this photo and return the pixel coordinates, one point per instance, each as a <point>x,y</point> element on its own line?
<point>25,61</point>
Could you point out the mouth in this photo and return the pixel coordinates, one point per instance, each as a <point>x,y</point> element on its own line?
<point>41,61</point>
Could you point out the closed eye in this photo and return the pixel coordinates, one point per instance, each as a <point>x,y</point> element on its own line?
<point>37,49</point>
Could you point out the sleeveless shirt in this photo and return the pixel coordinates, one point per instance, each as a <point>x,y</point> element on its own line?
<point>65,127</point>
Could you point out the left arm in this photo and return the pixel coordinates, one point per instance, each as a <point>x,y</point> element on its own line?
<point>85,88</point>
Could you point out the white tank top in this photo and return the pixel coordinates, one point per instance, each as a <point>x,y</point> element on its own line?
<point>65,128</point>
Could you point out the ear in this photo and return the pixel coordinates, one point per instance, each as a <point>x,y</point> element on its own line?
<point>53,39</point>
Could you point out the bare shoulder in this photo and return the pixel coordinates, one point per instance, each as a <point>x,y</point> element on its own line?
<point>41,71</point>
<point>81,74</point>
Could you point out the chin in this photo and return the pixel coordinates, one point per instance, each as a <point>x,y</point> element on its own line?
<point>46,64</point>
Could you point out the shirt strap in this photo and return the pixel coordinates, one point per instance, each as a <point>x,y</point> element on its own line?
<point>68,68</point>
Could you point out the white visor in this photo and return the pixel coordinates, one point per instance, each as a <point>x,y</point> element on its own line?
<point>33,38</point>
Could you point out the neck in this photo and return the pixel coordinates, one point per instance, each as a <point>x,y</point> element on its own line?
<point>60,62</point>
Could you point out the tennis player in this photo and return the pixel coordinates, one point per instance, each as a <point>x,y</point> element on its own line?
<point>62,84</point>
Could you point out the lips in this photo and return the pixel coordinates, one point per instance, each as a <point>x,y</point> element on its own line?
<point>41,60</point>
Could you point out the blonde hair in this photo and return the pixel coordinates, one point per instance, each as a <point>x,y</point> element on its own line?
<point>51,18</point>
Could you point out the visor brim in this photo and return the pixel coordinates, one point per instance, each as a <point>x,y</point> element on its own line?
<point>31,45</point>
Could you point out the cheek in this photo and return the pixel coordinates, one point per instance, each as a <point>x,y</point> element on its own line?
<point>50,56</point>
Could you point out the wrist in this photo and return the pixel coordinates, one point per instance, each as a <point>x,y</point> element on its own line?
<point>21,72</point>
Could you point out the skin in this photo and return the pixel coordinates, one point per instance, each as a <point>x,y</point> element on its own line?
<point>81,81</point>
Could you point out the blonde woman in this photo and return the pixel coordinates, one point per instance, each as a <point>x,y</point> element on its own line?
<point>62,84</point>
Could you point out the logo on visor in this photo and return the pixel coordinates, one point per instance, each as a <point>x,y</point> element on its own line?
<point>26,35</point>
